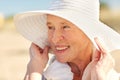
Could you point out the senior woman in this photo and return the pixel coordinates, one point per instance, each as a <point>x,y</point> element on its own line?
<point>69,30</point>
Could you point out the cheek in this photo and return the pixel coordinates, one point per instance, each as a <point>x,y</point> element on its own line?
<point>50,34</point>
<point>76,41</point>
<point>49,38</point>
<point>68,35</point>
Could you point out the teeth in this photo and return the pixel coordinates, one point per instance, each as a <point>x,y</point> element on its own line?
<point>61,48</point>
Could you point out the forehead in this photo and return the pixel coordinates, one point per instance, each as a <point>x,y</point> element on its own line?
<point>52,17</point>
<point>55,19</point>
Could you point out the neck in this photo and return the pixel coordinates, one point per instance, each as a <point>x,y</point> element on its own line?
<point>78,66</point>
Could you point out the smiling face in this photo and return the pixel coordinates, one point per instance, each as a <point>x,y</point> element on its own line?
<point>67,42</point>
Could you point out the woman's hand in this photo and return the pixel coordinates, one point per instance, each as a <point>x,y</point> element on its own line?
<point>102,62</point>
<point>38,60</point>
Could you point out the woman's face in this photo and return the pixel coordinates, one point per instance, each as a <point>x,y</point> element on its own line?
<point>67,42</point>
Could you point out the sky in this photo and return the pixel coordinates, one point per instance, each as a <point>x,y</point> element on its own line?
<point>11,7</point>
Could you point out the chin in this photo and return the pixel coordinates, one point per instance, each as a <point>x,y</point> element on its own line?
<point>61,60</point>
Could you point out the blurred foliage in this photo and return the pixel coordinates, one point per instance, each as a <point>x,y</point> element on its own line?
<point>103,5</point>
<point>8,24</point>
<point>110,17</point>
<point>9,18</point>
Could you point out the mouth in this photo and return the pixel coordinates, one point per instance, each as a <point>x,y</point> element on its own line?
<point>61,48</point>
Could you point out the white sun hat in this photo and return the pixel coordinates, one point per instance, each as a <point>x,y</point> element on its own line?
<point>83,13</point>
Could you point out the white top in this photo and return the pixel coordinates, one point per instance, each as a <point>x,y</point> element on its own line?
<point>61,71</point>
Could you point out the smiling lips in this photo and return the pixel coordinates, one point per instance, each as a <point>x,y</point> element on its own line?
<point>61,49</point>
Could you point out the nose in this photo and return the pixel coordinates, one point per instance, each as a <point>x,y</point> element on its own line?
<point>57,36</point>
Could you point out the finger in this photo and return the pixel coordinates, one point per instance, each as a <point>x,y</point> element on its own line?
<point>35,50</point>
<point>30,51</point>
<point>46,51</point>
<point>96,55</point>
<point>100,45</point>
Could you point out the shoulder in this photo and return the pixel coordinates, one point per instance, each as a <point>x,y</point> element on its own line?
<point>113,75</point>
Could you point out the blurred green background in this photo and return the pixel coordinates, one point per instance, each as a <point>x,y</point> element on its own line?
<point>14,48</point>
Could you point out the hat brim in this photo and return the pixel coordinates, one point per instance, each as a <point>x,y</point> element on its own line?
<point>32,25</point>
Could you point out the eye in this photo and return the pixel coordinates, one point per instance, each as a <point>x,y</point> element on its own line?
<point>66,27</point>
<point>51,28</point>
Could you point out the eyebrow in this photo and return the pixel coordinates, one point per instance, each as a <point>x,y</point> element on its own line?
<point>63,23</point>
<point>48,23</point>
